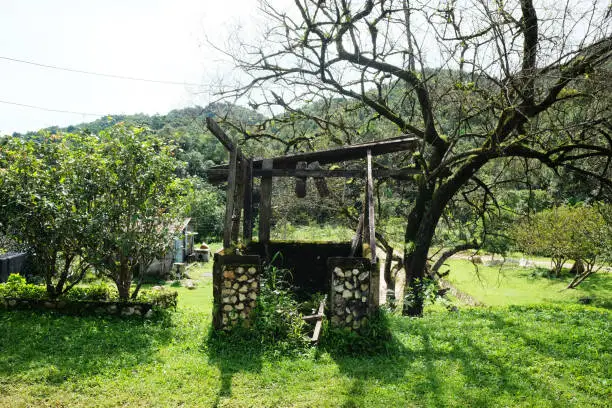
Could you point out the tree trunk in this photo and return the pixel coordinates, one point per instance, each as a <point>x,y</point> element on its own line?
<point>420,229</point>
<point>124,280</point>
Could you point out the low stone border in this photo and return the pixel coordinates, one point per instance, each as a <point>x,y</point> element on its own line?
<point>79,307</point>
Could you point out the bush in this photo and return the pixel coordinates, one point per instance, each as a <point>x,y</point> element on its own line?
<point>17,287</point>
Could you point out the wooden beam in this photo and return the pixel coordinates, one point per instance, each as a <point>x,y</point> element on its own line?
<point>319,324</point>
<point>218,174</point>
<point>370,207</point>
<point>247,227</point>
<point>339,154</point>
<point>220,134</point>
<point>229,205</point>
<point>357,238</point>
<point>265,205</point>
<point>300,182</point>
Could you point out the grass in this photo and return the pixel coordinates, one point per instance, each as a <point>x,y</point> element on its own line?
<point>548,356</point>
<point>513,285</point>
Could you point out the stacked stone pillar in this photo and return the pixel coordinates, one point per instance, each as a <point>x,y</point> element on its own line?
<point>351,292</point>
<point>236,280</point>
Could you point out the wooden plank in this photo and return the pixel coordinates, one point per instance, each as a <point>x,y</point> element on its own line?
<point>357,238</point>
<point>229,205</point>
<point>300,182</point>
<point>218,174</point>
<point>238,196</point>
<point>370,207</point>
<point>319,324</point>
<point>320,182</point>
<point>220,134</point>
<point>247,227</point>
<point>265,205</point>
<point>353,152</point>
<point>313,317</point>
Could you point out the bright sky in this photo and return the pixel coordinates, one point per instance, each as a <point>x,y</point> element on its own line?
<point>152,39</point>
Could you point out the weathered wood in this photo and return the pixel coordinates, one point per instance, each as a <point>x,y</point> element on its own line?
<point>320,182</point>
<point>265,205</point>
<point>353,152</point>
<point>312,317</point>
<point>229,205</point>
<point>247,227</point>
<point>300,182</point>
<point>317,330</point>
<point>220,134</point>
<point>357,238</point>
<point>239,196</point>
<point>219,174</point>
<point>370,208</point>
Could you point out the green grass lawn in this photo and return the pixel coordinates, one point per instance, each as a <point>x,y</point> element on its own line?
<point>545,356</point>
<point>513,285</point>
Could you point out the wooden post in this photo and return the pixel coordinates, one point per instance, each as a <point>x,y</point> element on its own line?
<point>300,182</point>
<point>229,205</point>
<point>265,204</point>
<point>247,227</point>
<point>357,238</point>
<point>370,231</point>
<point>238,196</point>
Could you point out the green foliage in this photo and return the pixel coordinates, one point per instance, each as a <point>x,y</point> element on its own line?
<point>565,233</point>
<point>17,287</point>
<point>48,187</point>
<point>207,211</point>
<point>161,298</point>
<point>374,337</point>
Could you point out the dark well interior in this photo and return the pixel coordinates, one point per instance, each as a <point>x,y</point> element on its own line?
<point>306,260</point>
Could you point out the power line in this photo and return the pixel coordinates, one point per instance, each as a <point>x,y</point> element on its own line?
<point>78,71</point>
<point>51,110</point>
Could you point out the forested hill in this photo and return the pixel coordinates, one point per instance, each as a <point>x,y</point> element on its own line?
<point>187,127</point>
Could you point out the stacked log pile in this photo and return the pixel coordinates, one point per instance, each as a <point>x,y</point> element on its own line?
<point>350,295</point>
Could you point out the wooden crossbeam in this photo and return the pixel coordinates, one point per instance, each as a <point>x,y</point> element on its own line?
<point>219,173</point>
<point>344,153</point>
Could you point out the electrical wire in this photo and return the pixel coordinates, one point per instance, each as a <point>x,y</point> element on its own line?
<point>51,110</point>
<point>79,71</point>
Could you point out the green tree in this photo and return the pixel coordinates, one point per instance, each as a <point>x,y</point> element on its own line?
<point>579,233</point>
<point>140,209</point>
<point>476,82</point>
<point>48,188</point>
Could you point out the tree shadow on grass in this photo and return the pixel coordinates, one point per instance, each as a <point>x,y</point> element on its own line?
<point>232,353</point>
<point>429,365</point>
<point>52,348</point>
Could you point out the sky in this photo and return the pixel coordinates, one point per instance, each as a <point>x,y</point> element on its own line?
<point>164,40</point>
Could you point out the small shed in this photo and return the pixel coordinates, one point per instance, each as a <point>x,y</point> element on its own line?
<point>181,250</point>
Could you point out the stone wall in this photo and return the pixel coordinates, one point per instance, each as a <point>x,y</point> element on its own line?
<point>80,308</point>
<point>351,294</point>
<point>236,280</point>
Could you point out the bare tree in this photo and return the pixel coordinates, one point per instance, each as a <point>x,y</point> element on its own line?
<point>477,81</point>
